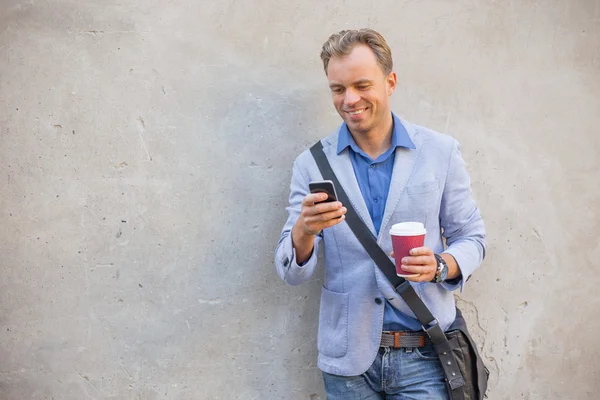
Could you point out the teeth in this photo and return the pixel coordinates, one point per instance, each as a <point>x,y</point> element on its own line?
<point>356,112</point>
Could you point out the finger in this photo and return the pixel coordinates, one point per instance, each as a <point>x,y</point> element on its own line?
<point>392,254</point>
<point>312,198</point>
<point>322,221</point>
<point>419,269</point>
<point>326,216</point>
<point>325,220</point>
<point>316,209</point>
<point>332,222</point>
<point>421,251</point>
<point>327,207</point>
<point>420,260</point>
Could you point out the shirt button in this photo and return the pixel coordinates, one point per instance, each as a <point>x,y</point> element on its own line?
<point>372,165</point>
<point>375,199</point>
<point>378,300</point>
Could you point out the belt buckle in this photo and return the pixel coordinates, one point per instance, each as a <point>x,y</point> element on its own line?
<point>433,324</point>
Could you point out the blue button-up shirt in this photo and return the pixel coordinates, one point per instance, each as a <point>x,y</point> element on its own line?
<point>374,177</point>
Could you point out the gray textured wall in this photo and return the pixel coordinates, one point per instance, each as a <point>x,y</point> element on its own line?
<point>145,155</point>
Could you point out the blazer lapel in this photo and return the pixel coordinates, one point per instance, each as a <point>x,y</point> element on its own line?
<point>342,166</point>
<point>404,163</point>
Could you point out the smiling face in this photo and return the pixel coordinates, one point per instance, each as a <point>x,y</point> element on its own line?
<point>361,90</point>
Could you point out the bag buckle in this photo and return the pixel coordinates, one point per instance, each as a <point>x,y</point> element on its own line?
<point>432,325</point>
<point>435,332</point>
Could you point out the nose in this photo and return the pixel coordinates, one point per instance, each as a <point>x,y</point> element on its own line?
<point>351,97</point>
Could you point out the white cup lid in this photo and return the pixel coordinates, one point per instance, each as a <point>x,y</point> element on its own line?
<point>408,229</point>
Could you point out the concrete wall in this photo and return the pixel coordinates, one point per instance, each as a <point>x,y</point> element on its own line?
<point>145,155</point>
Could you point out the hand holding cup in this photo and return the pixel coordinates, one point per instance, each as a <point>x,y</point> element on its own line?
<point>405,237</point>
<point>421,263</point>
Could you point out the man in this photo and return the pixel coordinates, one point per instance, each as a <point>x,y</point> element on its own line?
<point>393,171</point>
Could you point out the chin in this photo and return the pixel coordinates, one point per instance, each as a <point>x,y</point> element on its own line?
<point>360,126</point>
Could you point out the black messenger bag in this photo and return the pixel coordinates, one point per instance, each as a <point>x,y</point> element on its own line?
<point>466,375</point>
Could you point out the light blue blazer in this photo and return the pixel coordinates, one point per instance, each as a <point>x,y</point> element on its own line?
<point>429,184</point>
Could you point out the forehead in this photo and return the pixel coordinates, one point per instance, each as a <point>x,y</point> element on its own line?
<point>360,63</point>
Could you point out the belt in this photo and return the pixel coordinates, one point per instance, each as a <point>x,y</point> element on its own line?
<point>398,340</point>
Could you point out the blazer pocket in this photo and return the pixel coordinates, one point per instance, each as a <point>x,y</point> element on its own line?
<point>423,188</point>
<point>332,339</point>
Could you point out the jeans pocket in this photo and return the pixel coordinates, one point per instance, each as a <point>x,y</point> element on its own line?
<point>426,353</point>
<point>333,324</point>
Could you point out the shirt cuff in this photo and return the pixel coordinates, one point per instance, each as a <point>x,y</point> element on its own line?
<point>303,263</point>
<point>290,271</point>
<point>454,283</point>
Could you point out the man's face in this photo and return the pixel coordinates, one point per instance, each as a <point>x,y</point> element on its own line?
<point>360,89</point>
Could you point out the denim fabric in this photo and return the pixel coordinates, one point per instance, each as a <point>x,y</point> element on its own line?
<point>403,374</point>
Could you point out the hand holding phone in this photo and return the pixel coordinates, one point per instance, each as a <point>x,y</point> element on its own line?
<point>324,187</point>
<point>318,213</point>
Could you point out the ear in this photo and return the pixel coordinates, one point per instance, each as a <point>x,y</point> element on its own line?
<point>391,83</point>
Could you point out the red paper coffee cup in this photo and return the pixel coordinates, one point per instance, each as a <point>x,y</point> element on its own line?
<point>406,236</point>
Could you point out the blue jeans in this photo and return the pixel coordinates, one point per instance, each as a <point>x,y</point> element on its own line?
<point>402,374</point>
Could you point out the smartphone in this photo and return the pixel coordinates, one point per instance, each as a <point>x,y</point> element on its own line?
<point>324,187</point>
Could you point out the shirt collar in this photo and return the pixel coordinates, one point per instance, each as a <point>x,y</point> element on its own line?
<point>400,137</point>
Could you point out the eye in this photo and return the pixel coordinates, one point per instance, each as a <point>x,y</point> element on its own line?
<point>362,87</point>
<point>337,90</point>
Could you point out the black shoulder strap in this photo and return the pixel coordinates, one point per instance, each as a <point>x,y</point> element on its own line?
<point>364,236</point>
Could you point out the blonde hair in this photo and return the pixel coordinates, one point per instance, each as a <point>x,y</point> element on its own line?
<point>341,44</point>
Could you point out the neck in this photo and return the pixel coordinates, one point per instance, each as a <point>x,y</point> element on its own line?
<point>376,141</point>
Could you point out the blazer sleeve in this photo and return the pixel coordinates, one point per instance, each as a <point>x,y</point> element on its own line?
<point>461,220</point>
<point>285,254</point>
